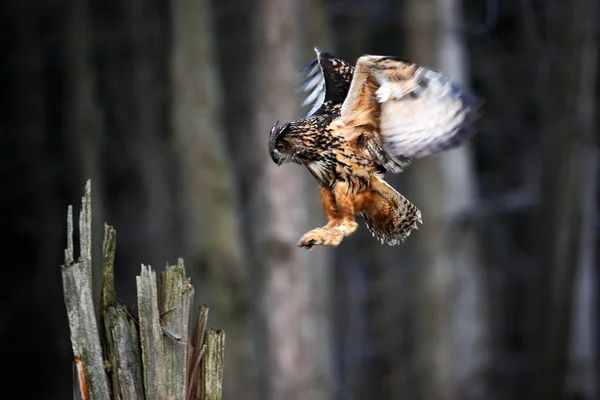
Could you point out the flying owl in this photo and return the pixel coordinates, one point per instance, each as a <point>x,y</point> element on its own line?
<point>365,121</point>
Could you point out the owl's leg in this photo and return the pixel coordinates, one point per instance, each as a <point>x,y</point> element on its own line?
<point>340,220</point>
<point>325,235</point>
<point>330,208</point>
<point>344,203</point>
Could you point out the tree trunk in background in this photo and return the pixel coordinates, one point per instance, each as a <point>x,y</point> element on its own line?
<point>147,28</point>
<point>294,341</point>
<point>452,332</point>
<point>84,126</point>
<point>233,49</point>
<point>320,272</point>
<point>137,163</point>
<point>583,357</point>
<point>568,167</point>
<point>212,234</point>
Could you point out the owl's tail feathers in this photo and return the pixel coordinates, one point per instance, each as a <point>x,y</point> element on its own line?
<point>389,216</point>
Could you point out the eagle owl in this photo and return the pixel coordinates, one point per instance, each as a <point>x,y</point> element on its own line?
<point>364,121</point>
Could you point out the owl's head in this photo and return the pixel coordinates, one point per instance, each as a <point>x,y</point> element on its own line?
<point>291,142</point>
<point>279,148</point>
<point>284,143</point>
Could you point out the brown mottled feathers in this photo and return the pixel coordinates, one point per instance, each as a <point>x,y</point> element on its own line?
<point>389,216</point>
<point>365,121</point>
<point>410,110</point>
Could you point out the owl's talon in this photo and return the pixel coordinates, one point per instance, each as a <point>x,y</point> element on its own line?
<point>309,245</point>
<point>321,236</point>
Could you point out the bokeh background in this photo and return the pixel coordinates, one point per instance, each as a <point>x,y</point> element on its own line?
<point>167,106</point>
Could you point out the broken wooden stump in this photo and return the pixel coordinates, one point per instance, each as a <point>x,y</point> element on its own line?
<point>152,356</point>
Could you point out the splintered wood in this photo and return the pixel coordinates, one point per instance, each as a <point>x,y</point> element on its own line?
<point>148,356</point>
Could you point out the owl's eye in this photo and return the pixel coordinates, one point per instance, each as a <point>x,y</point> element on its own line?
<point>280,147</point>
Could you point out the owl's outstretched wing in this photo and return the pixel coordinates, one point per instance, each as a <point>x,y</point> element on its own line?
<point>405,110</point>
<point>328,79</point>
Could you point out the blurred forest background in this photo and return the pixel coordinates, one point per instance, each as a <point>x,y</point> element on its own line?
<point>167,106</point>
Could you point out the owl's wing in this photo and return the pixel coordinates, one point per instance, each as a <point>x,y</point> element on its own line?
<point>405,110</point>
<point>328,79</point>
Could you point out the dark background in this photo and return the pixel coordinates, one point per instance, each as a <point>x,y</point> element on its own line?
<point>167,106</point>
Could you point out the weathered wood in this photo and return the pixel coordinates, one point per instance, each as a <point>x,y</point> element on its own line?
<point>175,299</point>
<point>196,351</point>
<point>69,251</point>
<point>77,288</point>
<point>125,359</point>
<point>108,261</point>
<point>151,336</point>
<point>212,364</point>
<point>107,299</point>
<point>85,227</point>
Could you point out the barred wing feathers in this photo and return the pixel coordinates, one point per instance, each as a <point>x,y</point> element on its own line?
<point>328,80</point>
<point>408,110</point>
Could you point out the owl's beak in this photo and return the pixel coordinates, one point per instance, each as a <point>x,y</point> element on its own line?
<point>277,157</point>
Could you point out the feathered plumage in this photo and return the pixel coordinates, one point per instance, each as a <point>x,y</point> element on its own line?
<point>365,121</point>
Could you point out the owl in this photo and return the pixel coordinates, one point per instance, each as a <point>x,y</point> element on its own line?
<point>367,120</point>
